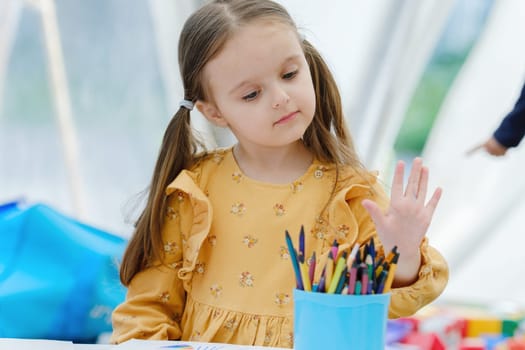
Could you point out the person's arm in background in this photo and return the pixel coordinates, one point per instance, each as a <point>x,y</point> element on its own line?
<point>510,132</point>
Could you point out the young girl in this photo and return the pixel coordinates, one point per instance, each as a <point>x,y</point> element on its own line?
<point>208,259</point>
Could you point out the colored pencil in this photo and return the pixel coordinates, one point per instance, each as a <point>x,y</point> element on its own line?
<point>295,263</point>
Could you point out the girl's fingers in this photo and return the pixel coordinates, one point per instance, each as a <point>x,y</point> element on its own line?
<point>375,212</point>
<point>423,184</point>
<point>433,202</point>
<point>397,182</point>
<point>413,180</point>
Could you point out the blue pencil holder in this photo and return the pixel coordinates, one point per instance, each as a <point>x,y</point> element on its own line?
<point>340,321</point>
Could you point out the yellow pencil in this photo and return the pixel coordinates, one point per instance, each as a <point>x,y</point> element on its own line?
<point>391,273</point>
<point>391,254</point>
<point>307,285</point>
<point>386,261</point>
<point>341,263</point>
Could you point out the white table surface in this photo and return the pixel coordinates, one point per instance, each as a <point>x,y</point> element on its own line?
<point>43,344</point>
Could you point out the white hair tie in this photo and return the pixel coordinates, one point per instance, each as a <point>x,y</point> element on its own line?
<point>186,104</point>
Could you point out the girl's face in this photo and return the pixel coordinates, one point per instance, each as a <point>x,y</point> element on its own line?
<point>260,86</point>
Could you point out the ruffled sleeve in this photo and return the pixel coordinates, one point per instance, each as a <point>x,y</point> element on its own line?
<point>346,208</point>
<point>156,296</point>
<point>198,225</point>
<point>433,277</point>
<point>433,273</point>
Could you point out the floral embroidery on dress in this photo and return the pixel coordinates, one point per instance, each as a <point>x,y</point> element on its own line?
<point>212,240</point>
<point>164,297</point>
<point>175,265</point>
<point>216,313</point>
<point>342,231</point>
<point>319,230</point>
<point>195,336</point>
<point>249,241</point>
<point>216,290</point>
<point>283,253</point>
<point>238,209</point>
<point>297,186</point>
<point>268,338</point>
<point>282,299</point>
<point>318,233</point>
<point>231,324</point>
<point>288,338</point>
<point>200,267</point>
<point>279,209</point>
<point>180,196</point>
<point>170,247</point>
<point>246,279</point>
<point>236,177</point>
<point>171,213</point>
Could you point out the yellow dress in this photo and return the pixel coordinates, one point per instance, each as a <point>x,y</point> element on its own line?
<point>228,276</point>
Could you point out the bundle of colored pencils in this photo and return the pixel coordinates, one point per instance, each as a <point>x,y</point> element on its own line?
<point>359,271</point>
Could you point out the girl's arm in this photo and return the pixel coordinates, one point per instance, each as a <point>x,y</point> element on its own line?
<point>422,273</point>
<point>155,299</point>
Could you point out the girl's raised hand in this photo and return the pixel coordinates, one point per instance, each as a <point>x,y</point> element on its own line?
<point>408,217</point>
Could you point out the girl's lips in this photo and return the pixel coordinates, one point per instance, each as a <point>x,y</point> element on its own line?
<point>286,118</point>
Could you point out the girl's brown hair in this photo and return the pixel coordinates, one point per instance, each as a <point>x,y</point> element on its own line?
<point>202,37</point>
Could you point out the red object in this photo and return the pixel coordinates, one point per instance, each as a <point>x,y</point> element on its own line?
<point>461,325</point>
<point>516,344</point>
<point>425,341</point>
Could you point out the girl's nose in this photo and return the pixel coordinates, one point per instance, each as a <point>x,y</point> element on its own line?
<point>281,99</point>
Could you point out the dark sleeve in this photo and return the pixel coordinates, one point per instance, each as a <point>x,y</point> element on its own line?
<point>512,128</point>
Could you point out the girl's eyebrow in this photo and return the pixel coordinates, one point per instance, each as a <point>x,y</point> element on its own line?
<point>244,82</point>
<point>292,58</point>
<point>238,86</point>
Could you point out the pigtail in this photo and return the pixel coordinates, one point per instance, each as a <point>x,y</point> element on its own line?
<point>177,152</point>
<point>327,137</point>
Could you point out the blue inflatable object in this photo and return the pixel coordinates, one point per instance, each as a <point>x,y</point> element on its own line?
<point>58,277</point>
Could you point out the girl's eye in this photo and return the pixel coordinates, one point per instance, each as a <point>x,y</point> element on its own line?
<point>290,75</point>
<point>250,96</point>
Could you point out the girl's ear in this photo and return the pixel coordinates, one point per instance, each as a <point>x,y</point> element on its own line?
<point>210,112</point>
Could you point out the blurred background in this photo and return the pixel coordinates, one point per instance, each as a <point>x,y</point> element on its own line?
<point>88,87</point>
